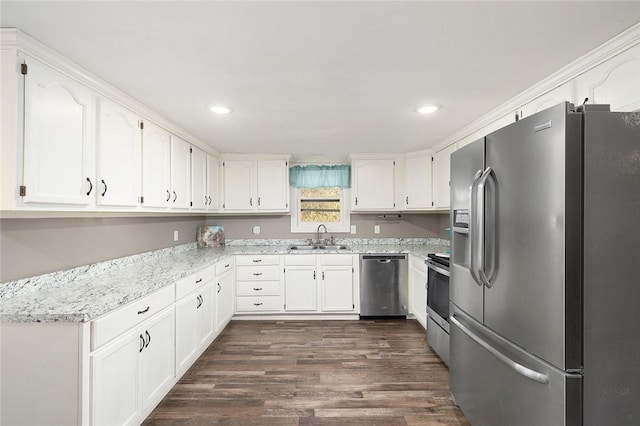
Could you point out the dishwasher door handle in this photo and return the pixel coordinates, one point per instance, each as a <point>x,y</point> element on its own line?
<point>384,260</point>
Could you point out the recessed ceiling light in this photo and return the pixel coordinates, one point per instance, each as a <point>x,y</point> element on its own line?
<point>220,109</point>
<point>427,109</point>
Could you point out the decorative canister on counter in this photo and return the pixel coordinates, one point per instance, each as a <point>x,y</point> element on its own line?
<point>210,236</point>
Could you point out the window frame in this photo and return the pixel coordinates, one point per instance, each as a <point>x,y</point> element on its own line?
<point>344,226</point>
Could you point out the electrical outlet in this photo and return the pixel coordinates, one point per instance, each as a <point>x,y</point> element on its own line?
<point>353,229</point>
<point>376,229</point>
<point>256,230</point>
<point>175,235</point>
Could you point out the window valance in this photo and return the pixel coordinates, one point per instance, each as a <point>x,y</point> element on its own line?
<point>315,176</point>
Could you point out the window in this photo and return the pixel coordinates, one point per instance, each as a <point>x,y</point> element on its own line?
<point>315,206</point>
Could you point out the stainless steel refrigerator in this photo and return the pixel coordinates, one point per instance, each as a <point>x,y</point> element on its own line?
<point>545,271</point>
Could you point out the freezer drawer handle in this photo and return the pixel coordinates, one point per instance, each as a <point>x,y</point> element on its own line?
<point>518,368</point>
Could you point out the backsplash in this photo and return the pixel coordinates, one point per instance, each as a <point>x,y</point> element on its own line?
<point>342,241</point>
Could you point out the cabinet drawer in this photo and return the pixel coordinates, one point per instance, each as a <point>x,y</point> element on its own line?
<point>192,282</point>
<point>224,266</point>
<point>117,322</point>
<point>300,259</point>
<point>268,259</point>
<point>263,288</point>
<point>258,273</point>
<point>336,259</point>
<point>258,303</point>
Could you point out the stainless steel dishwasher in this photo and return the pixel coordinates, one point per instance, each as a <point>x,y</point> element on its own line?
<point>383,285</point>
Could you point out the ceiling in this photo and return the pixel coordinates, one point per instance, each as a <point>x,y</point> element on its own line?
<point>321,79</point>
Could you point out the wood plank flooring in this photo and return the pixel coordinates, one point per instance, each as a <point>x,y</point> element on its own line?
<point>368,372</point>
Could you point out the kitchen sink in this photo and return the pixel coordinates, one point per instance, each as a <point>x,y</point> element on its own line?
<point>317,247</point>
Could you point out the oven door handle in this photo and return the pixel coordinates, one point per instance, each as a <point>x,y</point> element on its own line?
<point>437,269</point>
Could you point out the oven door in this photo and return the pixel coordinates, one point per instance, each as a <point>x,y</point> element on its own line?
<point>438,294</point>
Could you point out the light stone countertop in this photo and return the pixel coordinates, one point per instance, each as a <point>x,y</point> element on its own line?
<point>85,293</point>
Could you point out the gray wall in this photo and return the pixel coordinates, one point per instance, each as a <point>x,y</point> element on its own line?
<point>409,226</point>
<point>31,247</point>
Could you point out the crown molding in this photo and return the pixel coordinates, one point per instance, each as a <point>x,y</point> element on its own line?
<point>607,50</point>
<point>13,38</point>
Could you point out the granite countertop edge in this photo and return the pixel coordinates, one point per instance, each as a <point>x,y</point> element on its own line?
<point>83,294</point>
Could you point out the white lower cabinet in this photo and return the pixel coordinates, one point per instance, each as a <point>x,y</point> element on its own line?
<point>336,285</point>
<point>322,283</point>
<point>224,294</point>
<point>130,375</point>
<point>195,325</point>
<point>418,290</point>
<point>258,282</point>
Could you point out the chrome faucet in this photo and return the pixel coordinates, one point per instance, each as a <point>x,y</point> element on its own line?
<point>318,232</point>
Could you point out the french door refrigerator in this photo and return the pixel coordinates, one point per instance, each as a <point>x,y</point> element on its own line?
<point>545,271</point>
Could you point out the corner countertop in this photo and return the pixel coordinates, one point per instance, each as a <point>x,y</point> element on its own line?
<point>85,293</point>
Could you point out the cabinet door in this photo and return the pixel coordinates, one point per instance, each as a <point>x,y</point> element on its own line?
<point>300,288</point>
<point>119,154</point>
<point>374,184</point>
<point>114,382</point>
<point>273,185</point>
<point>418,281</point>
<point>156,166</point>
<point>213,183</point>
<point>417,182</point>
<point>199,178</point>
<point>186,333</point>
<point>615,82</point>
<point>206,316</point>
<point>180,173</point>
<point>442,177</point>
<point>59,141</point>
<point>224,300</point>
<point>337,289</point>
<point>157,359</point>
<point>239,178</point>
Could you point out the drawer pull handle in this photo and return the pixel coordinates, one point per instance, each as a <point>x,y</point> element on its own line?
<point>149,338</point>
<point>144,311</point>
<point>257,288</point>
<point>257,304</point>
<point>199,281</point>
<point>257,274</point>
<point>226,266</point>
<point>257,260</point>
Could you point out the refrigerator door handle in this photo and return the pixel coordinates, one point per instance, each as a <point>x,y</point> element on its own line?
<point>482,209</point>
<point>518,368</point>
<point>473,240</point>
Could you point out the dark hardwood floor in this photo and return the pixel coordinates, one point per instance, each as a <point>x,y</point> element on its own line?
<point>369,372</point>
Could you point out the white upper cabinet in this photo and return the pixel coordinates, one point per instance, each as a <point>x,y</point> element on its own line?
<point>119,150</point>
<point>563,93</point>
<point>256,185</point>
<point>273,187</point>
<point>615,82</point>
<point>213,183</point>
<point>199,194</point>
<point>373,184</point>
<point>156,166</point>
<point>417,182</point>
<point>59,139</point>
<point>239,180</point>
<point>180,173</point>
<point>442,177</point>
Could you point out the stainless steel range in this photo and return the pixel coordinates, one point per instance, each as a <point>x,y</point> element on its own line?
<point>438,304</point>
